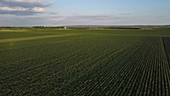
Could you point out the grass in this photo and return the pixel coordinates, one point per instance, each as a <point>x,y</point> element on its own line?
<point>84,62</point>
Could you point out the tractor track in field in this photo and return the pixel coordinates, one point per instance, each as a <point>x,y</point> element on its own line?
<point>33,38</point>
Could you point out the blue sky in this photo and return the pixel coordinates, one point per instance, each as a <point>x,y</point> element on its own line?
<point>84,12</point>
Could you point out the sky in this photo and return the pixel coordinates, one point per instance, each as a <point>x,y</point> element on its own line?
<point>84,12</point>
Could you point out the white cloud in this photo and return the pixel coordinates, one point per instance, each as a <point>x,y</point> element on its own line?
<point>38,9</point>
<point>13,9</point>
<point>22,7</point>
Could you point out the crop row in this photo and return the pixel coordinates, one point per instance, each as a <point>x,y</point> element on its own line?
<point>86,65</point>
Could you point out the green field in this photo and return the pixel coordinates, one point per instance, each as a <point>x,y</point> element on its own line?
<point>81,62</point>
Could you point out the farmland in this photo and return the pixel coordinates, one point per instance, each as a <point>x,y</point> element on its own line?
<point>84,62</point>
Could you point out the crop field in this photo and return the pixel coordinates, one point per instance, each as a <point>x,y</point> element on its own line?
<point>81,62</point>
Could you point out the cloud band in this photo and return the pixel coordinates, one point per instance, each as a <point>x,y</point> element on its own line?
<point>22,7</point>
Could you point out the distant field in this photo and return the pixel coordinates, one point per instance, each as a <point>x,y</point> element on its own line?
<point>81,62</point>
